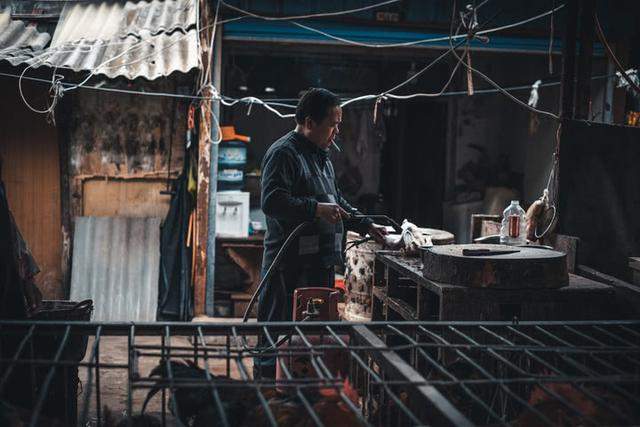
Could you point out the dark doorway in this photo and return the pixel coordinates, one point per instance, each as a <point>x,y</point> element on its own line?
<point>412,152</point>
<point>413,166</point>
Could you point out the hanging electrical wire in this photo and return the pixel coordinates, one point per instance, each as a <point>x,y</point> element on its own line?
<point>207,87</point>
<point>280,102</point>
<point>56,90</point>
<point>551,33</point>
<point>423,41</point>
<point>612,56</point>
<point>429,95</point>
<point>227,101</point>
<point>387,93</point>
<point>471,34</point>
<point>251,99</point>
<point>315,15</point>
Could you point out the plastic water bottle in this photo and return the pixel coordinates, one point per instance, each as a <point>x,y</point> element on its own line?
<point>513,230</point>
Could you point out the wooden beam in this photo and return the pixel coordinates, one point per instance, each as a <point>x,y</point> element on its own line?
<point>63,112</point>
<point>213,171</point>
<point>202,195</point>
<point>629,293</point>
<point>202,206</point>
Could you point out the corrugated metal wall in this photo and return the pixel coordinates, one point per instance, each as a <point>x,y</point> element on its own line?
<point>116,263</point>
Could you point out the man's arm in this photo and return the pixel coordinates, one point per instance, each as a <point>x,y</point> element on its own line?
<point>361,226</point>
<point>278,177</point>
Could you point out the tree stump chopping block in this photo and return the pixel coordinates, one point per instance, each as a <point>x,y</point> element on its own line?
<point>527,268</point>
<point>439,237</point>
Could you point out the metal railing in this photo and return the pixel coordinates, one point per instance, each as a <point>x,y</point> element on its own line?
<point>379,373</point>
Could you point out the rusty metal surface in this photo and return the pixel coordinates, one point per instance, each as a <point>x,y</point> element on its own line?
<point>151,58</point>
<point>147,39</point>
<point>116,263</point>
<point>19,41</point>
<point>104,20</point>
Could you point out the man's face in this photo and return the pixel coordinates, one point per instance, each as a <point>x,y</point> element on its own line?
<point>323,134</point>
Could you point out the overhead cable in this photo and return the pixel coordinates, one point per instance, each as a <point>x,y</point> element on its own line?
<point>315,15</point>
<point>281,102</point>
<point>472,34</point>
<point>612,56</point>
<point>423,41</point>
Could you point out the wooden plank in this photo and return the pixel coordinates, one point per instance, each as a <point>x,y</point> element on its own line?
<point>594,274</point>
<point>31,173</point>
<point>410,268</point>
<point>476,224</point>
<point>630,293</point>
<point>490,228</point>
<point>568,245</point>
<point>64,136</point>
<point>118,197</point>
<point>395,367</point>
<point>402,308</point>
<point>249,259</point>
<point>379,306</point>
<point>380,293</point>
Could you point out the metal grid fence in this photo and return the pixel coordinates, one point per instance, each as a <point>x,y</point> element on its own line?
<point>380,373</point>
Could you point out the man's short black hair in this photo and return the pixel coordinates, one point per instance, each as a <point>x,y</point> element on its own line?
<point>316,103</point>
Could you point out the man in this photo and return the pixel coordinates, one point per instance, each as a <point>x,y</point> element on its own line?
<point>298,185</point>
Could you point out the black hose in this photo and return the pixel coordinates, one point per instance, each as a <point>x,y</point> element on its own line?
<point>276,262</point>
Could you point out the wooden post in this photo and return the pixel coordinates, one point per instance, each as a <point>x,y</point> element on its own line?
<point>213,184</point>
<point>569,61</point>
<point>202,206</point>
<point>202,195</point>
<point>583,85</point>
<point>63,112</point>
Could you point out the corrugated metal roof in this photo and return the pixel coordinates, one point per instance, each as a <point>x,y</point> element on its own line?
<point>116,263</point>
<point>115,20</point>
<point>19,41</point>
<point>130,39</point>
<point>147,39</point>
<point>153,57</point>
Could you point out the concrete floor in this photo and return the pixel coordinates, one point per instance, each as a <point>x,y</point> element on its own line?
<point>114,381</point>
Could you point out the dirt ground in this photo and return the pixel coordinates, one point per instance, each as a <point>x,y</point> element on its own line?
<point>114,381</point>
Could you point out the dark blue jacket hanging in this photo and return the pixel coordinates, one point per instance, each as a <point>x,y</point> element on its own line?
<point>174,289</point>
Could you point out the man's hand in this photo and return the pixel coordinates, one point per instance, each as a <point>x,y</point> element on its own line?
<point>331,212</point>
<point>378,232</point>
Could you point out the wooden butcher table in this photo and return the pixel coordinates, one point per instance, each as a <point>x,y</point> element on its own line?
<point>402,292</point>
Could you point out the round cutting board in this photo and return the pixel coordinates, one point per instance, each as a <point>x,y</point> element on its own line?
<point>438,237</point>
<point>529,267</point>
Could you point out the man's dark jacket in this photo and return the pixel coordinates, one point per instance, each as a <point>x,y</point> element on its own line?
<point>296,175</point>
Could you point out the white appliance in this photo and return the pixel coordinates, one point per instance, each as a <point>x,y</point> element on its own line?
<point>232,214</point>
